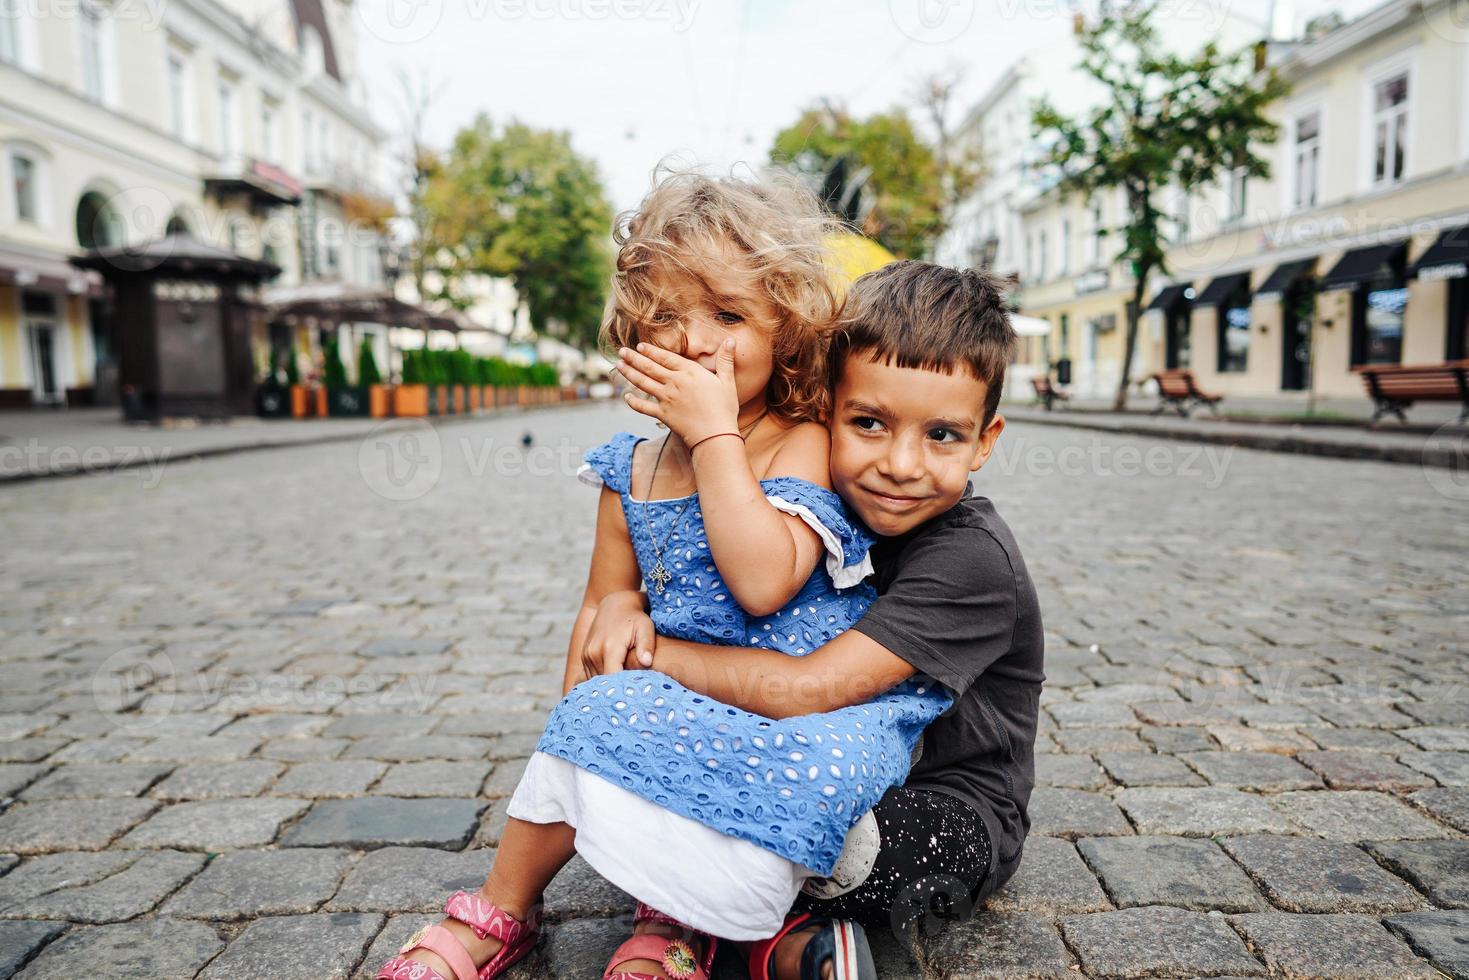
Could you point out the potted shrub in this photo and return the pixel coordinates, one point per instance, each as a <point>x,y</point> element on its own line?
<point>544,379</point>
<point>273,396</point>
<point>438,379</point>
<point>301,401</point>
<point>412,396</point>
<point>379,395</point>
<point>342,398</point>
<point>461,377</point>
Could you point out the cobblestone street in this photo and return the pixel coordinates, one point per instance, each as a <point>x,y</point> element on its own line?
<point>260,713</point>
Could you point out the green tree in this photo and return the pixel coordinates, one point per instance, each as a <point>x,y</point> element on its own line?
<point>910,184</point>
<point>367,372</point>
<point>520,202</point>
<point>1164,121</point>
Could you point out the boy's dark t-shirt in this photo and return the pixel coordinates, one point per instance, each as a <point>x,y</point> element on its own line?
<point>956,602</point>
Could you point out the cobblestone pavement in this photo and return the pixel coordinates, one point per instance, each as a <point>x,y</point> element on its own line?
<point>258,717</point>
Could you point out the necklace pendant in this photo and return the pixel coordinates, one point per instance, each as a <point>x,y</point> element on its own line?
<point>660,576</point>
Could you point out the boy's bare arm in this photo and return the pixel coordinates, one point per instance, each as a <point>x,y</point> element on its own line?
<point>851,669</point>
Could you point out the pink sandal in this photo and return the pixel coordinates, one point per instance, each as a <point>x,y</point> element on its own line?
<point>486,921</point>
<point>676,955</point>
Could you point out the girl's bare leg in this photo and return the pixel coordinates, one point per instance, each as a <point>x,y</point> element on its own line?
<point>528,858</point>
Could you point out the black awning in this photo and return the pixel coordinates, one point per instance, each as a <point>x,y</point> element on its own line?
<point>1361,264</point>
<point>1284,277</point>
<point>1170,297</point>
<point>1222,288</point>
<point>1446,258</point>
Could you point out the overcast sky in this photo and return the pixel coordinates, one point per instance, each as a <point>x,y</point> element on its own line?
<point>711,80</point>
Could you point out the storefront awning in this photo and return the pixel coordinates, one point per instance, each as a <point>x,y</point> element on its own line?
<point>1446,258</point>
<point>1170,296</point>
<point>1222,288</point>
<point>1360,265</point>
<point>1283,278</point>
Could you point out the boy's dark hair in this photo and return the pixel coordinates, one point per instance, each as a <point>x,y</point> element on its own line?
<point>930,317</point>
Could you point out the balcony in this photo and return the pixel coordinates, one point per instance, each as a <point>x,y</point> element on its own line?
<point>265,184</point>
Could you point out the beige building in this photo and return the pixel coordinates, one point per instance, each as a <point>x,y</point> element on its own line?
<point>1355,251</point>
<point>239,121</point>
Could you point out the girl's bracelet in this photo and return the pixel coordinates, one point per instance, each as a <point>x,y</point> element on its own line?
<point>714,436</point>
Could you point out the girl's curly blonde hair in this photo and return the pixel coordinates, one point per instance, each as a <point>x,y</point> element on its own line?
<point>767,234</point>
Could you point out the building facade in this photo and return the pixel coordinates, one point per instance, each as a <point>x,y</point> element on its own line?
<point>238,121</point>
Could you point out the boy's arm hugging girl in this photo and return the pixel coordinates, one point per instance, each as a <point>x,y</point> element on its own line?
<point>807,660</point>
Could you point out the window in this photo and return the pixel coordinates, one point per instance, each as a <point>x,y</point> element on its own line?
<point>1041,257</point>
<point>1308,158</point>
<point>98,225</point>
<point>23,173</point>
<point>1389,128</point>
<point>1065,246</point>
<point>1234,331</point>
<point>1383,303</point>
<point>9,33</point>
<point>323,144</point>
<point>228,138</point>
<point>267,131</point>
<point>308,143</point>
<point>1235,194</point>
<point>1185,213</point>
<point>91,26</point>
<point>1095,256</point>
<point>178,93</point>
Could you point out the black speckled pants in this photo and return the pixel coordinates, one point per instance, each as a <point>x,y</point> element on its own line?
<point>933,857</point>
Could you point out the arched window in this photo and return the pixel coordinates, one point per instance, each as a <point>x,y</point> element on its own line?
<point>178,225</point>
<point>98,225</point>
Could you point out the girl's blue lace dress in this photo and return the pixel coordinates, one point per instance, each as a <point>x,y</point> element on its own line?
<point>793,787</point>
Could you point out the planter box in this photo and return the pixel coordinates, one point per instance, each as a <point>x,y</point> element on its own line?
<point>301,402</point>
<point>411,401</point>
<point>321,405</point>
<point>346,402</point>
<point>459,399</point>
<point>443,400</point>
<point>273,401</point>
<point>380,401</point>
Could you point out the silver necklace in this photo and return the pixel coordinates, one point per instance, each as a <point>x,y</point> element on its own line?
<point>660,576</point>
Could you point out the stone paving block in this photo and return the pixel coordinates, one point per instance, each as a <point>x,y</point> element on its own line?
<point>1363,716</point>
<point>80,780</point>
<point>108,749</point>
<point>1084,740</point>
<point>382,821</point>
<point>1239,738</point>
<point>1287,716</point>
<point>1438,868</point>
<point>997,946</point>
<point>1072,771</point>
<point>1074,813</point>
<point>1148,769</point>
<point>1356,815</point>
<point>1355,739</point>
<point>215,825</point>
<point>124,895</point>
<point>291,749</point>
<point>1179,871</point>
<point>16,725</point>
<point>1052,880</point>
<point>14,776</point>
<point>192,748</point>
<point>1157,941</point>
<point>418,748</point>
<point>276,725</point>
<point>504,779</point>
<point>1449,804</point>
<point>1182,713</point>
<point>404,646</point>
<point>48,872</point>
<point>8,861</point>
<point>1431,712</point>
<point>492,824</point>
<point>1364,770</point>
<point>247,884</point>
<point>579,891</point>
<point>1438,738</point>
<point>1129,693</point>
<point>1446,768</point>
<point>1182,738</point>
<point>19,941</point>
<point>323,946</point>
<point>434,778</point>
<point>504,723</point>
<point>1330,947</point>
<point>410,879</point>
<point>1081,714</point>
<point>158,949</point>
<point>1302,874</point>
<point>217,780</point>
<point>380,726</point>
<point>513,746</point>
<point>65,825</point>
<point>1252,770</point>
<point>1440,936</point>
<point>337,778</point>
<point>31,749</point>
<point>1203,811</point>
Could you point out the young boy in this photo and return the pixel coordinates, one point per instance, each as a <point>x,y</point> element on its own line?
<point>917,374</point>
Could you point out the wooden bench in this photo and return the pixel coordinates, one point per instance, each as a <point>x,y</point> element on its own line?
<point>1393,387</point>
<point>1178,390</point>
<point>1046,391</point>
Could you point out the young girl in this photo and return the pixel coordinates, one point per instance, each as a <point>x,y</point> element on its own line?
<point>712,815</point>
